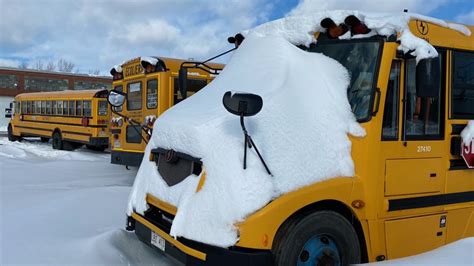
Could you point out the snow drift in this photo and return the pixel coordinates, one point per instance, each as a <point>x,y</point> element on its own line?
<point>301,131</point>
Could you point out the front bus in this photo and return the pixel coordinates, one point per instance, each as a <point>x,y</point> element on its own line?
<point>151,85</point>
<point>411,192</point>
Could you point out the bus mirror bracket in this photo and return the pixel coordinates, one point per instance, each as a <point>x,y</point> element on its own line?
<point>182,82</point>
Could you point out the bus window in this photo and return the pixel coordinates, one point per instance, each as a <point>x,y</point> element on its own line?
<point>78,108</point>
<point>133,134</point>
<point>118,88</point>
<point>60,107</point>
<point>102,110</point>
<point>152,94</point>
<point>72,111</point>
<point>48,107</point>
<point>53,107</point>
<point>462,94</point>
<point>28,107</point>
<point>23,107</point>
<point>390,114</point>
<point>37,107</point>
<point>194,85</point>
<point>65,108</point>
<point>87,108</point>
<point>134,96</point>
<point>423,115</point>
<point>43,107</point>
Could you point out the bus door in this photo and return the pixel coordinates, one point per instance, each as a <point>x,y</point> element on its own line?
<point>414,152</point>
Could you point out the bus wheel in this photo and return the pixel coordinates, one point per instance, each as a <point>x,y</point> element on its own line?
<point>11,137</point>
<point>43,139</point>
<point>321,238</point>
<point>57,141</point>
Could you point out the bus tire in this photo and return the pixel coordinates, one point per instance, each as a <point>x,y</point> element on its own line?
<point>44,139</point>
<point>12,137</point>
<point>321,238</point>
<point>57,141</point>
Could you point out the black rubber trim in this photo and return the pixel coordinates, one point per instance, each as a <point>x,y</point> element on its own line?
<point>214,255</point>
<point>35,128</point>
<point>430,201</point>
<point>65,124</point>
<point>126,158</point>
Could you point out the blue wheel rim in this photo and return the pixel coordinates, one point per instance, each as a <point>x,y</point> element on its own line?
<point>319,250</point>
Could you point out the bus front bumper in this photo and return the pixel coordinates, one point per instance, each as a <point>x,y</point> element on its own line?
<point>190,252</point>
<point>126,158</point>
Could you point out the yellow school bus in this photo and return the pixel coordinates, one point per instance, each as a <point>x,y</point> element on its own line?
<point>69,118</point>
<point>412,191</point>
<point>151,84</point>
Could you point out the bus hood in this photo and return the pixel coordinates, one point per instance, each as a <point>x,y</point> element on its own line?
<point>302,132</point>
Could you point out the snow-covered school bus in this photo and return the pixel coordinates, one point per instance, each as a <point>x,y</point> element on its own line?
<point>69,118</point>
<point>151,84</point>
<point>363,124</point>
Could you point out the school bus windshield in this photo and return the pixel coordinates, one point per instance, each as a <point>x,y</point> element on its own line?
<point>361,59</point>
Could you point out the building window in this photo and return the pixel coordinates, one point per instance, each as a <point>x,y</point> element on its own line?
<point>45,84</point>
<point>90,85</point>
<point>8,81</point>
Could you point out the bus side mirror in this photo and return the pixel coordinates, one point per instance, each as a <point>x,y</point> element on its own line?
<point>182,82</point>
<point>116,98</point>
<point>8,112</point>
<point>242,104</point>
<point>428,78</point>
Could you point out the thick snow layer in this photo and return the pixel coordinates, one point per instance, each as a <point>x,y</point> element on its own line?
<point>460,252</point>
<point>302,132</point>
<point>60,210</point>
<point>467,134</point>
<point>301,29</point>
<point>149,59</point>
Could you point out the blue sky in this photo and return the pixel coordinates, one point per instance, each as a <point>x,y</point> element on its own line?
<point>97,34</point>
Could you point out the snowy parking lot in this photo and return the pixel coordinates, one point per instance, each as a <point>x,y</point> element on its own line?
<point>60,207</point>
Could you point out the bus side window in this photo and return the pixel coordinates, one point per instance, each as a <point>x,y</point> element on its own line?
<point>43,107</point>
<point>23,107</point>
<point>65,108</point>
<point>60,107</point>
<point>462,93</point>
<point>37,107</point>
<point>72,111</point>
<point>423,115</point>
<point>87,108</point>
<point>53,107</point>
<point>390,114</point>
<point>28,107</point>
<point>48,107</point>
<point>78,108</point>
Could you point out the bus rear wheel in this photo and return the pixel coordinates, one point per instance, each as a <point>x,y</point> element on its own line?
<point>57,141</point>
<point>12,137</point>
<point>321,238</point>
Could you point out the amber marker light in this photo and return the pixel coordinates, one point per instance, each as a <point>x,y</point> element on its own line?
<point>358,204</point>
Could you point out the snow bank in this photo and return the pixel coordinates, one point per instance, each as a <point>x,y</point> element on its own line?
<point>300,29</point>
<point>460,252</point>
<point>34,149</point>
<point>302,132</point>
<point>467,134</point>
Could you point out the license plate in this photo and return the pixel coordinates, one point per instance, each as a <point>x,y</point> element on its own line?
<point>157,241</point>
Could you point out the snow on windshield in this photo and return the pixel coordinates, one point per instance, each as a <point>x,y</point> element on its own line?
<point>300,29</point>
<point>302,132</point>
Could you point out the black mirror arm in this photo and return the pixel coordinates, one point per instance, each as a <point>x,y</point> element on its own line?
<point>146,129</point>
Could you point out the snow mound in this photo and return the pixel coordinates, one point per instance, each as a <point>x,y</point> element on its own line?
<point>460,252</point>
<point>34,149</point>
<point>300,29</point>
<point>467,134</point>
<point>302,132</point>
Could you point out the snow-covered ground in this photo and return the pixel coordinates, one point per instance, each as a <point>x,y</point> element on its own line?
<point>59,207</point>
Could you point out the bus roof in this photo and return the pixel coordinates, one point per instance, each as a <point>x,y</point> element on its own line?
<point>441,36</point>
<point>63,94</point>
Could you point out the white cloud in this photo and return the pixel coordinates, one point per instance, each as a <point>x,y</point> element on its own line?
<point>419,6</point>
<point>9,62</point>
<point>467,18</point>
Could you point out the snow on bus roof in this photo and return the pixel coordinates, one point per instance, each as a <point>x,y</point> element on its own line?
<point>299,30</point>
